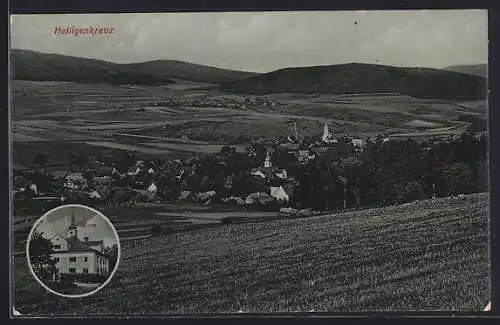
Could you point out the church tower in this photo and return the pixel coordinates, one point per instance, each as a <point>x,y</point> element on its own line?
<point>326,133</point>
<point>267,161</point>
<point>73,228</point>
<point>327,137</point>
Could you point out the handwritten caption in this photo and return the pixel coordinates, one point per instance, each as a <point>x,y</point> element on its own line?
<point>83,31</point>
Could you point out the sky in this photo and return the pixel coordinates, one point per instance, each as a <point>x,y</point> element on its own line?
<point>266,41</point>
<point>59,220</point>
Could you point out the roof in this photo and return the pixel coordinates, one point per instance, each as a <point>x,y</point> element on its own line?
<point>76,245</point>
<point>69,252</point>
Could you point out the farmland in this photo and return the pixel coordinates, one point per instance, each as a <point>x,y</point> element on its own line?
<point>153,119</point>
<point>427,255</point>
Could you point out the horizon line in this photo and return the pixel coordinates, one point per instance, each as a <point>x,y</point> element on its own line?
<point>249,71</point>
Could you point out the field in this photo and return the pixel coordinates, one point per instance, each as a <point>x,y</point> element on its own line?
<point>428,255</point>
<point>170,123</point>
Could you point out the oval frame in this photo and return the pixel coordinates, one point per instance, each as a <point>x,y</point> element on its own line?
<point>111,275</point>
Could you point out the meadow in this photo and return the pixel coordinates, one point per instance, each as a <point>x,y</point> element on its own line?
<point>425,256</point>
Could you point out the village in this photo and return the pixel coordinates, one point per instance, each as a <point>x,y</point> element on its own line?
<point>264,176</point>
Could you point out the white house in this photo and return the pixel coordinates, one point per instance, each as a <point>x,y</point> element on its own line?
<point>279,194</point>
<point>73,255</point>
<point>94,195</point>
<point>75,181</point>
<point>281,173</point>
<point>152,188</point>
<point>34,188</point>
<point>258,173</point>
<point>359,144</point>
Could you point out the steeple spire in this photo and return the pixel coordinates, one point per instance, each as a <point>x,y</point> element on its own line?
<point>267,161</point>
<point>72,229</point>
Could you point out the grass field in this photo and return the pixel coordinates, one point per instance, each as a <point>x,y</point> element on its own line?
<point>428,255</point>
<point>51,112</point>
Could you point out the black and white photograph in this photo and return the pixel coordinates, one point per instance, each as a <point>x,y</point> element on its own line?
<point>72,251</point>
<point>253,162</point>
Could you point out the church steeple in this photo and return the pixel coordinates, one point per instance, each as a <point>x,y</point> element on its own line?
<point>73,228</point>
<point>267,161</point>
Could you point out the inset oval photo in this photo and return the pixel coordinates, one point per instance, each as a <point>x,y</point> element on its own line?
<point>73,251</point>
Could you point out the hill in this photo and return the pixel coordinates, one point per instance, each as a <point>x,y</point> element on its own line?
<point>364,78</point>
<point>480,70</point>
<point>425,256</point>
<point>31,65</point>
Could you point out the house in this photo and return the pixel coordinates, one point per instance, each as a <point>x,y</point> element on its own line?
<point>75,181</point>
<point>359,144</point>
<point>258,197</point>
<point>101,185</point>
<point>101,180</point>
<point>279,194</point>
<point>305,156</point>
<point>94,195</point>
<point>205,196</point>
<point>258,173</point>
<point>152,188</point>
<point>184,195</point>
<point>133,171</point>
<point>281,173</point>
<point>75,256</point>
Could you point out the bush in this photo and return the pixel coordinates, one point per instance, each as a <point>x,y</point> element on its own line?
<point>459,179</point>
<point>67,280</point>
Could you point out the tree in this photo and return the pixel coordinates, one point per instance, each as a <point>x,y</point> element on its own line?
<point>40,256</point>
<point>351,169</point>
<point>409,192</point>
<point>112,254</point>
<point>458,179</point>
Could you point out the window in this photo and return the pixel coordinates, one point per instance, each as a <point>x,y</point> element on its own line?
<point>72,270</point>
<point>86,238</point>
<point>56,259</point>
<point>85,270</point>
<point>72,259</point>
<point>86,258</point>
<point>57,246</point>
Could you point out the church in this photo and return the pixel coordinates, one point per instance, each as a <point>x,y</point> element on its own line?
<point>75,256</point>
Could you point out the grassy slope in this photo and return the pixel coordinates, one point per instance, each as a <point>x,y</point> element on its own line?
<point>30,65</point>
<point>420,256</point>
<point>364,78</point>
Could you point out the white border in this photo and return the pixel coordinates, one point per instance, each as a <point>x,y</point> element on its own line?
<point>112,272</point>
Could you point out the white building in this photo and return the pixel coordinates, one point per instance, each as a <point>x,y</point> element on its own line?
<point>327,137</point>
<point>73,255</point>
<point>75,181</point>
<point>359,144</point>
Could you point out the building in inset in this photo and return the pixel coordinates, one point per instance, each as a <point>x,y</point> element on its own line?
<point>72,255</point>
